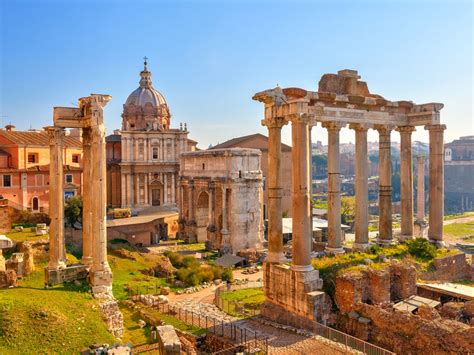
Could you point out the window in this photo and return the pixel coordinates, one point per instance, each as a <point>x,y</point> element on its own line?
<point>75,158</point>
<point>35,204</point>
<point>7,180</point>
<point>155,153</point>
<point>39,180</point>
<point>68,178</point>
<point>32,158</point>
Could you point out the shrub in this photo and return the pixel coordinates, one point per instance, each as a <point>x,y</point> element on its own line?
<point>227,275</point>
<point>190,262</point>
<point>422,249</point>
<point>175,259</point>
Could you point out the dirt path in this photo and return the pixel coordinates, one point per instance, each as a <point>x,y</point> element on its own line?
<point>206,295</point>
<point>459,220</point>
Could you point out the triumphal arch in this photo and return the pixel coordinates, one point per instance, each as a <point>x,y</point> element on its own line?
<point>342,99</point>
<point>89,118</point>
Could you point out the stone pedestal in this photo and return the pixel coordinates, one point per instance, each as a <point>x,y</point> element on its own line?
<point>297,294</point>
<point>406,182</point>
<point>361,188</point>
<point>334,245</point>
<point>385,186</point>
<point>436,190</point>
<point>275,191</point>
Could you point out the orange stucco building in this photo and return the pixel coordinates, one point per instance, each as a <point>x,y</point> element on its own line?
<point>24,168</point>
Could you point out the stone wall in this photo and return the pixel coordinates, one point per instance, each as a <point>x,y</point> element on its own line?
<point>452,267</point>
<point>292,297</point>
<point>375,286</point>
<point>406,333</point>
<point>112,316</point>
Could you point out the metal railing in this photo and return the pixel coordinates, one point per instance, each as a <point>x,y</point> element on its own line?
<point>236,307</point>
<point>245,338</point>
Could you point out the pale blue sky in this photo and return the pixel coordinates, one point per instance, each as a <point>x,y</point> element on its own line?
<point>209,57</point>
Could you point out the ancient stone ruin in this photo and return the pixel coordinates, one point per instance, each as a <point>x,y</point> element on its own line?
<point>89,117</point>
<point>342,99</point>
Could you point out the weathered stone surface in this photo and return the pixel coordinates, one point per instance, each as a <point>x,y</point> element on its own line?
<point>8,278</point>
<point>427,312</point>
<point>403,280</point>
<point>28,257</point>
<point>249,254</point>
<point>169,340</point>
<point>112,316</point>
<point>405,333</point>
<point>16,263</point>
<point>448,268</point>
<point>452,310</point>
<point>351,288</point>
<point>378,286</point>
<point>469,308</point>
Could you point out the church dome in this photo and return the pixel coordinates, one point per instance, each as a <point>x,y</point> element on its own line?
<point>145,108</point>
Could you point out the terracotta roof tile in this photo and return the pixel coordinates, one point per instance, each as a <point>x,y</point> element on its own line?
<point>36,138</point>
<point>235,142</point>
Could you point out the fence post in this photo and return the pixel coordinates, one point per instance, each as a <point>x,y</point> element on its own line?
<point>222,325</point>
<point>214,325</point>
<point>192,318</point>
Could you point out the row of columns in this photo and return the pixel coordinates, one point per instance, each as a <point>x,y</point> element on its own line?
<point>131,183</point>
<point>302,216</point>
<point>130,149</point>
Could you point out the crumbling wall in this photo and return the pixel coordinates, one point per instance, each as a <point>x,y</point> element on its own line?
<point>112,316</point>
<point>402,280</point>
<point>378,286</point>
<point>406,333</point>
<point>451,267</point>
<point>351,288</point>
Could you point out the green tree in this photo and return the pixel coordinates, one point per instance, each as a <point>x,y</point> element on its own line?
<point>73,210</point>
<point>348,207</point>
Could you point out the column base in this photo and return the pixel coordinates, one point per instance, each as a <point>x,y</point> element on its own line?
<point>87,261</point>
<point>438,243</point>
<point>404,238</point>
<point>360,246</point>
<point>334,251</point>
<point>276,258</point>
<point>100,278</point>
<point>302,268</point>
<point>385,242</point>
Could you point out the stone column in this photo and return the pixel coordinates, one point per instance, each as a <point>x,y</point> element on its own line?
<point>191,205</point>
<point>146,200</point>
<point>56,200</point>
<point>100,275</point>
<point>361,188</point>
<point>420,188</point>
<point>436,188</point>
<point>132,189</point>
<point>334,245</point>
<point>385,186</point>
<point>406,182</point>
<point>86,198</point>
<point>301,189</point>
<point>137,188</point>
<point>275,191</point>
<point>129,188</point>
<point>124,190</point>
<point>135,150</point>
<point>226,247</point>
<point>173,188</point>
<point>165,192</point>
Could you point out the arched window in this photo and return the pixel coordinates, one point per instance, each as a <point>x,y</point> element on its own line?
<point>35,204</point>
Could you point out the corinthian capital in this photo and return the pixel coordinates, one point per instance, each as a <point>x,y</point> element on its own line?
<point>405,129</point>
<point>275,122</point>
<point>55,134</point>
<point>302,118</point>
<point>98,101</point>
<point>435,127</point>
<point>384,128</point>
<point>334,125</point>
<point>360,127</point>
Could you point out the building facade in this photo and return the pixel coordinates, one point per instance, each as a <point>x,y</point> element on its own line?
<point>459,175</point>
<point>143,157</point>
<point>221,198</point>
<point>260,142</point>
<point>24,168</point>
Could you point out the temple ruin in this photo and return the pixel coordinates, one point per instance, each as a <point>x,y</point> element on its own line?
<point>88,117</point>
<point>342,99</point>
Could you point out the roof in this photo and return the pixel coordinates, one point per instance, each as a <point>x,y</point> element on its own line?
<point>228,260</point>
<point>235,142</point>
<point>413,302</point>
<point>139,219</point>
<point>36,138</point>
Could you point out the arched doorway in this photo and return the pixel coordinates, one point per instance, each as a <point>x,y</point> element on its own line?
<point>202,216</point>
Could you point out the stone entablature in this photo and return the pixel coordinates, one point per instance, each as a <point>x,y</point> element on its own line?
<point>221,194</point>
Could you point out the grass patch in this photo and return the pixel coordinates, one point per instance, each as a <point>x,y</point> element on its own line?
<point>250,299</point>
<point>458,215</point>
<point>26,235</point>
<point>127,273</point>
<point>459,230</point>
<point>62,319</point>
